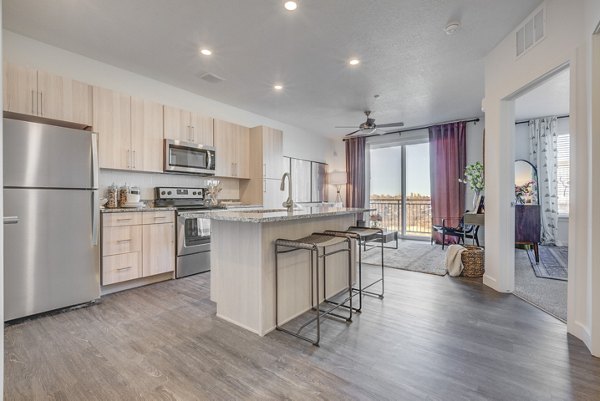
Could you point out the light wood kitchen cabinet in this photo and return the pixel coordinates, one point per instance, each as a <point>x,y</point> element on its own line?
<point>112,122</point>
<point>146,135</point>
<point>266,168</point>
<point>64,99</point>
<point>272,151</point>
<point>137,244</point>
<point>232,144</point>
<point>188,126</point>
<point>41,94</point>
<point>121,267</point>
<point>159,249</point>
<point>20,89</point>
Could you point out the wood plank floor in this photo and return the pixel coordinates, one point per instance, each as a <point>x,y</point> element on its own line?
<point>431,338</point>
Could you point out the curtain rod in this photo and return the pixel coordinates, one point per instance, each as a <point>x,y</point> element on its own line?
<point>418,128</point>
<point>527,121</point>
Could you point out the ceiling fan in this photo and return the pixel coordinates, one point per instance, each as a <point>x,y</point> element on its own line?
<point>370,128</point>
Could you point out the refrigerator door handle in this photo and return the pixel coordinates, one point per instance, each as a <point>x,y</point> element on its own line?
<point>95,217</point>
<point>94,161</point>
<point>11,219</point>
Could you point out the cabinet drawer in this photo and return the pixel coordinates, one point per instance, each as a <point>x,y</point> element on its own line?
<point>122,219</point>
<point>117,240</point>
<point>158,217</point>
<point>122,267</point>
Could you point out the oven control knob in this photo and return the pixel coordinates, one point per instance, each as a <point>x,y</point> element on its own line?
<point>169,193</point>
<point>194,193</point>
<point>163,192</point>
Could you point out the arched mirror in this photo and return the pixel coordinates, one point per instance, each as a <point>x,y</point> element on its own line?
<point>526,183</point>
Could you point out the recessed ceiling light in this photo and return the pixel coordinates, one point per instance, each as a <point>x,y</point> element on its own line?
<point>290,5</point>
<point>278,87</point>
<point>354,61</point>
<point>206,52</point>
<point>452,27</point>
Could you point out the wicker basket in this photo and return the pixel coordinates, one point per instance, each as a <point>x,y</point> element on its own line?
<point>473,261</point>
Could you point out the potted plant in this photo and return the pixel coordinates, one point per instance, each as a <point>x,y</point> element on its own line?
<point>475,178</point>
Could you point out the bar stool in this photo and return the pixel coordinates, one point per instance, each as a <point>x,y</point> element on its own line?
<point>317,244</point>
<point>362,235</point>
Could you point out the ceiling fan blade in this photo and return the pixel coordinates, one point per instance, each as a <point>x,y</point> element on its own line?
<point>346,126</point>
<point>354,132</point>
<point>391,125</point>
<point>391,132</point>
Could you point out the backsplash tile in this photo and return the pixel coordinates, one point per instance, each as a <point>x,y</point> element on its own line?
<point>147,181</point>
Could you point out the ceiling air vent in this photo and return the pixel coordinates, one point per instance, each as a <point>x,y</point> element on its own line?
<point>531,32</point>
<point>212,78</point>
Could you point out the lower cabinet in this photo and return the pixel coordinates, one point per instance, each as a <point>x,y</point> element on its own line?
<point>134,246</point>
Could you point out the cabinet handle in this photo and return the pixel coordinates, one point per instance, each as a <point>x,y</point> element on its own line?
<point>265,186</point>
<point>41,103</point>
<point>32,91</point>
<point>160,217</point>
<point>130,218</point>
<point>128,158</point>
<point>193,134</point>
<point>124,268</point>
<point>123,240</point>
<point>134,159</point>
<point>264,170</point>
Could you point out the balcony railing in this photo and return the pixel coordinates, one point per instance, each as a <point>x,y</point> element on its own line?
<point>418,215</point>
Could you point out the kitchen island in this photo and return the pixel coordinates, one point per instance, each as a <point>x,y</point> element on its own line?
<point>243,263</point>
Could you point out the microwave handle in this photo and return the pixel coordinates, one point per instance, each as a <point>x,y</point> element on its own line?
<point>210,157</point>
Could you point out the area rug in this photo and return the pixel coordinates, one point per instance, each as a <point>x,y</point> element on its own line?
<point>553,262</point>
<point>416,256</point>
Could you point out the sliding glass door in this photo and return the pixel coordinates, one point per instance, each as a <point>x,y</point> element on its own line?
<point>400,189</point>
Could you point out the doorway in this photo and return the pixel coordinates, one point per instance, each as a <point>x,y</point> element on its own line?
<point>542,186</point>
<point>399,188</point>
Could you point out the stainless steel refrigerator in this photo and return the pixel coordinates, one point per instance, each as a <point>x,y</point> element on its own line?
<point>51,217</point>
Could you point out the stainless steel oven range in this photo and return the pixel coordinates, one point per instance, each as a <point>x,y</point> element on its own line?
<point>193,231</point>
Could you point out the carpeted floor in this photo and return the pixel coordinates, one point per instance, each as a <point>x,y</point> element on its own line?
<point>553,262</point>
<point>416,256</point>
<point>548,295</point>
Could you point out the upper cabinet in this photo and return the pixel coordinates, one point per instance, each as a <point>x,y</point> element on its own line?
<point>130,131</point>
<point>232,143</point>
<point>112,122</point>
<point>188,126</point>
<point>147,135</point>
<point>272,151</point>
<point>38,93</point>
<point>266,168</point>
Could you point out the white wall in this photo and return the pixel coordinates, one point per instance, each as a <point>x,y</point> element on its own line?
<point>567,41</point>
<point>34,54</point>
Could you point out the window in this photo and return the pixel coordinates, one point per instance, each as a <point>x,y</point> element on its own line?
<point>562,187</point>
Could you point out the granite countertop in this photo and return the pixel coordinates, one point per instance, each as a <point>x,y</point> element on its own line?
<point>274,215</point>
<point>137,209</point>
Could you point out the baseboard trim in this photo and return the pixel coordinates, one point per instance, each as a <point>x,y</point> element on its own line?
<point>582,332</point>
<point>228,320</point>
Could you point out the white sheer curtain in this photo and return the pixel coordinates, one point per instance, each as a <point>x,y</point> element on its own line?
<point>543,155</point>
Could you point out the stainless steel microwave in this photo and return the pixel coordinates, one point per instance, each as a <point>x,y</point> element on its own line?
<point>188,157</point>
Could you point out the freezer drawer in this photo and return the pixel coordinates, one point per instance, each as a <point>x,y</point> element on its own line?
<point>50,260</point>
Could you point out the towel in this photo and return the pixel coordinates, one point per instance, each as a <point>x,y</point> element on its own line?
<point>453,260</point>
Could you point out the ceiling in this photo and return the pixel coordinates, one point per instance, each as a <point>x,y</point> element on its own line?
<point>421,74</point>
<point>550,98</point>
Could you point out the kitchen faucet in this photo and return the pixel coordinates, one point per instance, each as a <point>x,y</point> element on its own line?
<point>289,203</point>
